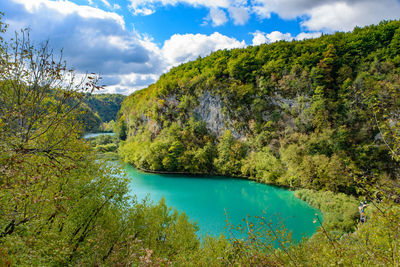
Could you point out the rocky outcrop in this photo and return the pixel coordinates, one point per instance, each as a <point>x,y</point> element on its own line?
<point>210,111</point>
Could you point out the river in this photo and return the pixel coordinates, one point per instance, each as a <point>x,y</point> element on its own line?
<point>91,135</point>
<point>212,200</point>
<point>209,201</point>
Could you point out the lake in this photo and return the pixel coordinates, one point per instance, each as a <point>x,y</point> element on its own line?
<point>91,135</point>
<point>207,199</point>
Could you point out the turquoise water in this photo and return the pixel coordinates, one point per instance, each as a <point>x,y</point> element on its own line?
<point>205,200</point>
<point>90,135</point>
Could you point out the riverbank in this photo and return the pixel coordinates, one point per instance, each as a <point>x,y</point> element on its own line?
<point>339,211</point>
<point>213,201</point>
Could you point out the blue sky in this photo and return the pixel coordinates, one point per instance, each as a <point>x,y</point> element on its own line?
<point>130,43</point>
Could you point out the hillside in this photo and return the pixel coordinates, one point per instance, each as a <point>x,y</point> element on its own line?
<point>100,108</point>
<point>61,205</point>
<point>314,114</point>
<point>105,105</point>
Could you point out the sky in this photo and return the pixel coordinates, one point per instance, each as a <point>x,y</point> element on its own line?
<point>130,43</point>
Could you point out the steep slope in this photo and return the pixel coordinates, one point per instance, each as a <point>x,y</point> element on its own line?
<point>106,105</point>
<point>300,113</point>
<point>100,108</point>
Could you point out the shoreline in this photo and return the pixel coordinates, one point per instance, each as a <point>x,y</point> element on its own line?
<point>208,174</point>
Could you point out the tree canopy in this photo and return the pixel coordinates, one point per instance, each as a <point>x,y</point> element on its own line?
<point>321,111</point>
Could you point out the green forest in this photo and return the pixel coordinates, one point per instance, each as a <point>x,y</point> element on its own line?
<point>320,115</point>
<point>98,110</point>
<point>317,114</point>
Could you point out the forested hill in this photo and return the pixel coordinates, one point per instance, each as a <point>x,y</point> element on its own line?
<point>301,113</point>
<point>106,105</point>
<point>100,108</point>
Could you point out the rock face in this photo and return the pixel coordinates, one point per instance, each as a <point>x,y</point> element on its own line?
<point>209,110</point>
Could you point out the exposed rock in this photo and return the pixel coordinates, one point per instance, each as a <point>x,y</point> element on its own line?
<point>209,110</point>
<point>152,125</point>
<point>171,100</point>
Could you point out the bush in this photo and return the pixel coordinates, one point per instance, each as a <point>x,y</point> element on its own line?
<point>340,211</point>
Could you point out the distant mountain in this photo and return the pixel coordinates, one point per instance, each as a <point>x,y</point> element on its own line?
<point>299,114</point>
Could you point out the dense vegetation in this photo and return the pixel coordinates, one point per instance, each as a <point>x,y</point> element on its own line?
<point>314,114</point>
<point>99,110</point>
<point>105,146</point>
<point>106,105</point>
<point>60,206</point>
<point>340,211</point>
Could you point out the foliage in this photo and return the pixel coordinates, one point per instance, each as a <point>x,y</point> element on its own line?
<point>105,146</point>
<point>263,166</point>
<point>323,111</point>
<point>59,205</point>
<point>105,105</point>
<point>108,126</point>
<point>99,110</point>
<point>340,211</point>
<point>320,114</point>
<point>176,149</point>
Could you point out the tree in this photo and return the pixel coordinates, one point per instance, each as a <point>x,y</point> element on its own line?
<point>59,205</point>
<point>230,152</point>
<point>121,128</point>
<point>39,104</point>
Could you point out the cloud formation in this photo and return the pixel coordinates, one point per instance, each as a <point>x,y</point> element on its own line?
<point>345,15</point>
<point>275,36</point>
<point>94,40</point>
<point>238,9</point>
<point>217,17</point>
<point>85,34</point>
<point>240,15</point>
<point>315,15</point>
<point>329,15</point>
<point>183,48</point>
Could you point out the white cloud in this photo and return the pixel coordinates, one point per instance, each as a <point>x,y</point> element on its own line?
<point>238,12</point>
<point>240,15</point>
<point>106,3</point>
<point>259,38</point>
<point>308,35</point>
<point>66,8</point>
<point>128,83</point>
<point>217,17</point>
<point>275,36</point>
<point>92,40</point>
<point>143,11</point>
<point>329,15</point>
<point>182,48</point>
<point>344,16</point>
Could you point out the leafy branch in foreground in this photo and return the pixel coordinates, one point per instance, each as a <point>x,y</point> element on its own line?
<point>58,204</point>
